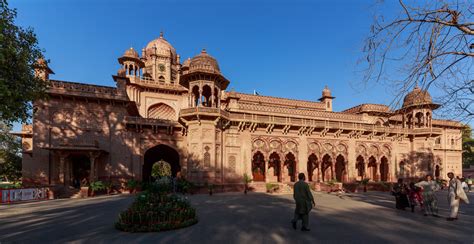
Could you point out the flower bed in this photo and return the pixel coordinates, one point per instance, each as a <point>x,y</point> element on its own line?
<point>153,212</point>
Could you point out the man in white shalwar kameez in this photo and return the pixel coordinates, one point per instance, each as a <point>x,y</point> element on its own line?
<point>455,194</point>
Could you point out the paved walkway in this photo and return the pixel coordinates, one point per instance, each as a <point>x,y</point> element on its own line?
<point>237,218</point>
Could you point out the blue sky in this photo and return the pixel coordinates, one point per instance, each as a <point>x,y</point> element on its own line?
<point>279,48</point>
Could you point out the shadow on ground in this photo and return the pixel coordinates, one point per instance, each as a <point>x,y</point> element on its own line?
<point>238,218</point>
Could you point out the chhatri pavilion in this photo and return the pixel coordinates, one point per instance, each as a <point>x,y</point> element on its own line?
<point>181,112</point>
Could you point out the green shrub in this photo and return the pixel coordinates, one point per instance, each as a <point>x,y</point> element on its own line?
<point>331,182</point>
<point>157,212</point>
<point>97,186</point>
<point>271,187</point>
<point>132,184</point>
<point>161,169</point>
<point>184,186</point>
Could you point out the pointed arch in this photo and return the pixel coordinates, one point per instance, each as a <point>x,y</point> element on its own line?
<point>161,111</point>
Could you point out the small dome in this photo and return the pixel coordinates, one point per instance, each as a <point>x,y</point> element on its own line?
<point>41,62</point>
<point>204,62</point>
<point>187,62</point>
<point>163,47</point>
<point>326,92</point>
<point>417,97</point>
<point>131,53</point>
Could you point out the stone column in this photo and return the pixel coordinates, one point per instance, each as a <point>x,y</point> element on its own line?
<point>200,97</point>
<point>365,169</point>
<point>93,156</point>
<point>218,98</point>
<point>333,169</point>
<point>62,158</point>
<point>377,171</point>
<point>63,168</point>
<point>265,156</point>
<point>318,174</point>
<point>211,102</point>
<point>67,172</point>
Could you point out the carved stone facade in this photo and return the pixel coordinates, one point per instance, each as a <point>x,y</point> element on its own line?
<point>162,109</point>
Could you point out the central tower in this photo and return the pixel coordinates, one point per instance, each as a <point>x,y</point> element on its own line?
<point>161,61</point>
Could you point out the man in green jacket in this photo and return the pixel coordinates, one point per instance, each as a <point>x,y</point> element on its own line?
<point>304,202</point>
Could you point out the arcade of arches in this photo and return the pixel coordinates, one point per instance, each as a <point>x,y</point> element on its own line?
<point>275,160</point>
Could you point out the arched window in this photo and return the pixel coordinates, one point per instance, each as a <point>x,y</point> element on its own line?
<point>206,96</point>
<point>419,119</point>
<point>161,79</point>
<point>161,111</point>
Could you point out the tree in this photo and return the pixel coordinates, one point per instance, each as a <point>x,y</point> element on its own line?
<point>19,52</point>
<point>430,44</point>
<point>10,151</point>
<point>467,147</point>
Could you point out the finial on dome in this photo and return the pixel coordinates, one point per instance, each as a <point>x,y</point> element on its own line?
<point>161,34</point>
<point>203,50</point>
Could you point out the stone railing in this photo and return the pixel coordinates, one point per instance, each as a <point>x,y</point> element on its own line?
<point>25,127</point>
<point>158,84</point>
<point>73,88</point>
<point>148,121</point>
<point>351,126</point>
<point>204,110</point>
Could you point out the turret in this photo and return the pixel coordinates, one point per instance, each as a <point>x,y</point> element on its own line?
<point>42,70</point>
<point>326,98</point>
<point>204,81</point>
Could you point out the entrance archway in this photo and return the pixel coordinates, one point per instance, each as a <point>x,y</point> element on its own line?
<point>290,165</point>
<point>157,153</point>
<point>326,168</point>
<point>384,169</point>
<point>340,168</point>
<point>372,168</point>
<point>275,164</point>
<point>312,165</point>
<point>81,168</point>
<point>360,167</point>
<point>258,167</point>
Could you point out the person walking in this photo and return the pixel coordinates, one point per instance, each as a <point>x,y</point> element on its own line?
<point>304,202</point>
<point>469,183</point>
<point>430,202</point>
<point>400,191</point>
<point>455,194</point>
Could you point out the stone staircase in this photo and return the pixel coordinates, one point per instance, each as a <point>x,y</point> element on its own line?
<point>284,189</point>
<point>258,187</point>
<point>280,188</point>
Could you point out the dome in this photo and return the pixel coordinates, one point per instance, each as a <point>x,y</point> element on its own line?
<point>326,92</point>
<point>131,53</point>
<point>417,97</point>
<point>204,62</point>
<point>163,47</point>
<point>41,62</point>
<point>187,62</point>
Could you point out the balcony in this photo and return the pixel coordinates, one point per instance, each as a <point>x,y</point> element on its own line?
<point>148,121</point>
<point>206,111</point>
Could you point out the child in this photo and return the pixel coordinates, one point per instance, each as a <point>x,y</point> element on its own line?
<point>414,195</point>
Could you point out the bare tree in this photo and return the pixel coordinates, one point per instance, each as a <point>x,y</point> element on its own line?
<point>429,44</point>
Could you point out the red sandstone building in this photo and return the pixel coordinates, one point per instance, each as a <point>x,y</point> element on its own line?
<point>181,112</point>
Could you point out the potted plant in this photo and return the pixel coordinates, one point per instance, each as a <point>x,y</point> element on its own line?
<point>96,186</point>
<point>246,180</point>
<point>108,186</point>
<point>84,188</point>
<point>365,182</point>
<point>132,185</point>
<point>210,187</point>
<point>331,184</point>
